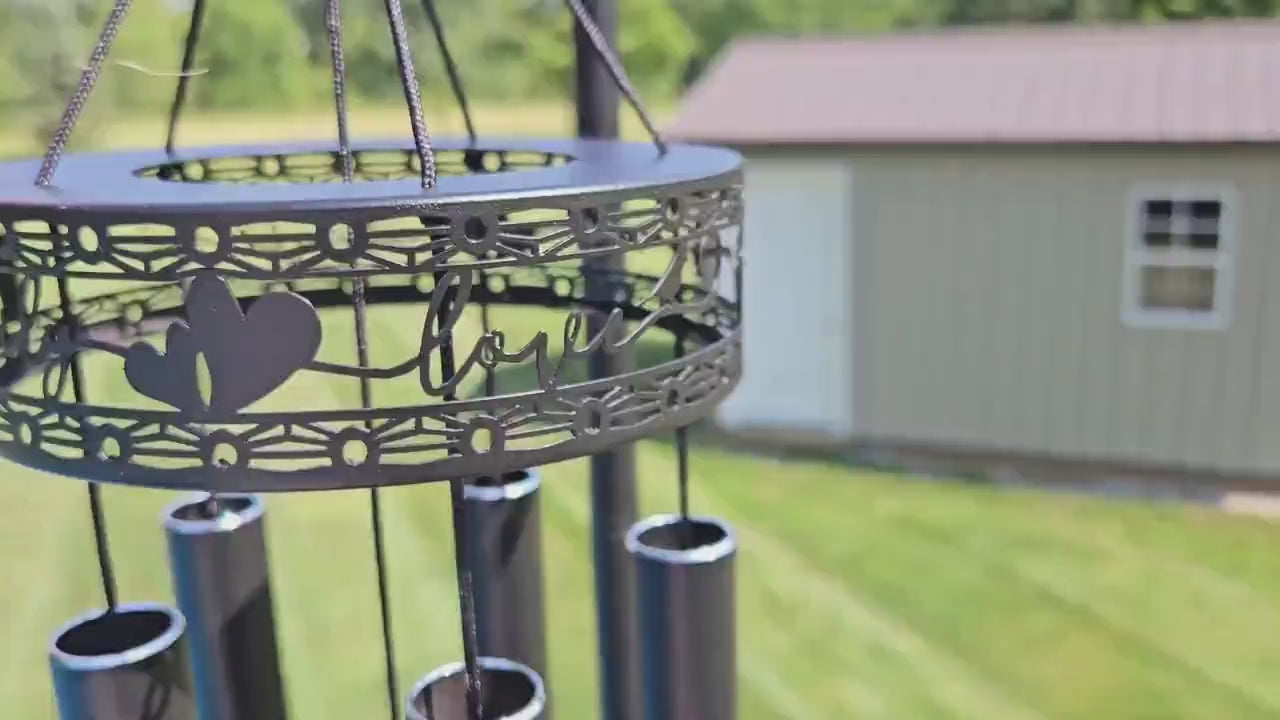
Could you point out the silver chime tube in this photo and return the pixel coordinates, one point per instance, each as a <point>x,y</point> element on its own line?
<point>684,583</point>
<point>218,562</point>
<point>510,691</point>
<point>505,554</point>
<point>125,664</point>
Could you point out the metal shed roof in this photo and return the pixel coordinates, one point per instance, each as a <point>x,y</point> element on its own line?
<point>1207,82</point>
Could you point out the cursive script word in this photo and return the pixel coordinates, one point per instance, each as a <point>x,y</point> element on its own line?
<point>490,349</point>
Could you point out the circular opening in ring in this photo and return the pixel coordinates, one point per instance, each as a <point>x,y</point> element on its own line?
<point>683,535</point>
<point>212,508</point>
<point>507,693</point>
<point>506,478</point>
<point>112,633</point>
<point>381,164</point>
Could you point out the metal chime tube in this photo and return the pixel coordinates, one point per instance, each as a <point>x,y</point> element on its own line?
<point>218,562</point>
<point>613,493</point>
<point>511,691</point>
<point>126,664</point>
<point>685,586</point>
<point>505,555</point>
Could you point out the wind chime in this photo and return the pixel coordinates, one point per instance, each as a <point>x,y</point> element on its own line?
<point>212,280</point>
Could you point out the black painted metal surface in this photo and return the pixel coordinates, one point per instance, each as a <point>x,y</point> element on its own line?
<point>218,564</point>
<point>512,691</point>
<point>613,474</point>
<point>687,611</point>
<point>125,664</point>
<point>233,275</point>
<point>505,524</point>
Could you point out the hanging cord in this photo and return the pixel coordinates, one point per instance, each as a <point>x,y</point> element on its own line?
<point>610,59</point>
<point>412,94</point>
<point>451,68</point>
<point>333,23</point>
<point>102,544</point>
<point>88,79</point>
<point>490,374</point>
<point>466,587</point>
<point>188,61</point>
<point>682,450</point>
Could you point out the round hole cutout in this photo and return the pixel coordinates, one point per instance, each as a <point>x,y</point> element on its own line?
<point>206,240</point>
<point>109,448</point>
<point>355,452</point>
<point>87,239</point>
<point>475,228</point>
<point>133,313</point>
<point>224,455</point>
<point>269,167</point>
<point>341,238</point>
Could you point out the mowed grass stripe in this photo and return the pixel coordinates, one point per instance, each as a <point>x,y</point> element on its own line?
<point>1059,657</point>
<point>1116,581</point>
<point>941,683</point>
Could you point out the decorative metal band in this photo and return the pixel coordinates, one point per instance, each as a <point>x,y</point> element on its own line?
<point>565,202</point>
<point>367,165</point>
<point>202,407</point>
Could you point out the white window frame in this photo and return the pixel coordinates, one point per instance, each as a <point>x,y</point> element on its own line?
<point>1137,256</point>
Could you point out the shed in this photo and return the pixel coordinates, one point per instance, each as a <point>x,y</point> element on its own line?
<point>1059,242</point>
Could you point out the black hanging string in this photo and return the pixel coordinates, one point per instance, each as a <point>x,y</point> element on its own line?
<point>101,543</point>
<point>490,376</point>
<point>466,588</point>
<point>84,88</point>
<point>620,80</point>
<point>450,68</point>
<point>412,94</point>
<point>682,449</point>
<point>333,23</point>
<point>188,62</point>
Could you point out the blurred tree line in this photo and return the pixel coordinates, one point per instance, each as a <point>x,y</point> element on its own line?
<point>273,54</point>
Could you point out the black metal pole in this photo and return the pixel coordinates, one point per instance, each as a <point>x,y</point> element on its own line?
<point>613,493</point>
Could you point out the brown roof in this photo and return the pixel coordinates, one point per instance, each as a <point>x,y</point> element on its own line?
<point>1214,82</point>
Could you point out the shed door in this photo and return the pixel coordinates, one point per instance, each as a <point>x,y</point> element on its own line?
<point>798,304</point>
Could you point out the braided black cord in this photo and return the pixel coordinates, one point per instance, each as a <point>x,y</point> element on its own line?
<point>333,23</point>
<point>451,68</point>
<point>457,498</point>
<point>188,61</point>
<point>84,88</point>
<point>412,95</point>
<point>98,516</point>
<point>619,73</point>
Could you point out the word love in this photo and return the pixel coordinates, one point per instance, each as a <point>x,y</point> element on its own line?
<point>490,349</point>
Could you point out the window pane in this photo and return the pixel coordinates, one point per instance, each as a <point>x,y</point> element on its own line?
<point>1158,209</point>
<point>1178,288</point>
<point>1203,241</point>
<point>1206,210</point>
<point>1157,239</point>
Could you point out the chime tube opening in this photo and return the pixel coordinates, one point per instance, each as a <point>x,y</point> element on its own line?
<point>682,541</point>
<point>219,568</point>
<point>123,664</point>
<point>511,485</point>
<point>108,639</point>
<point>504,551</point>
<point>188,515</point>
<point>509,691</point>
<point>685,587</point>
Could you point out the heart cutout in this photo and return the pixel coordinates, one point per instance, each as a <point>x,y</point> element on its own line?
<point>248,355</point>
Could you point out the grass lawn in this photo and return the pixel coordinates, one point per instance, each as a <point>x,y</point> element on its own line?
<point>861,595</point>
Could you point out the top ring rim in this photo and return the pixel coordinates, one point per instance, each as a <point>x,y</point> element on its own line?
<point>108,182</point>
